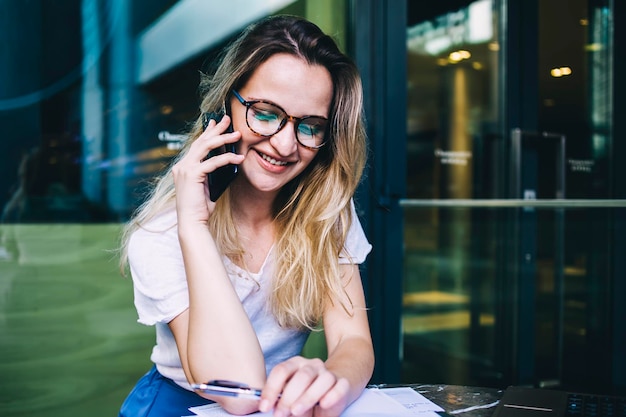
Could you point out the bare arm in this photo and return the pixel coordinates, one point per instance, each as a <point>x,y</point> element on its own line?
<point>215,338</point>
<point>336,383</point>
<point>348,338</point>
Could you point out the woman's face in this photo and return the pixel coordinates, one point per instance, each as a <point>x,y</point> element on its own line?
<point>300,90</point>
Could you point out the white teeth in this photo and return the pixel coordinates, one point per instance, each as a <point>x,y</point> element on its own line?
<point>272,160</point>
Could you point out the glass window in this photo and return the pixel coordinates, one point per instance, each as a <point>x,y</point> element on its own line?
<point>94,95</point>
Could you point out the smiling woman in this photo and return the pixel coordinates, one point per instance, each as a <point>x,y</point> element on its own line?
<point>234,286</point>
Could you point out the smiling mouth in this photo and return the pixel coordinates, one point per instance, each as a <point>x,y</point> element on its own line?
<point>272,160</point>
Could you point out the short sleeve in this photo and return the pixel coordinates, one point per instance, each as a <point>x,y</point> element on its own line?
<point>157,270</point>
<point>357,247</point>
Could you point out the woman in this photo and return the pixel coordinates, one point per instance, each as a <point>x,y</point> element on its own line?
<point>235,286</point>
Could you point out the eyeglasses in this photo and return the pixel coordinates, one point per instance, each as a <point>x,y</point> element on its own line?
<point>267,119</point>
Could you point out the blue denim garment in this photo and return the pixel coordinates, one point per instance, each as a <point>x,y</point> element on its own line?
<point>157,396</point>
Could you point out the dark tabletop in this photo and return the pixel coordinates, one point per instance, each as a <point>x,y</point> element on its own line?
<point>459,400</point>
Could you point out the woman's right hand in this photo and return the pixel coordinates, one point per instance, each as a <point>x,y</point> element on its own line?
<point>192,194</point>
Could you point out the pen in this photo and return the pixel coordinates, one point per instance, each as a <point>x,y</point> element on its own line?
<point>228,388</point>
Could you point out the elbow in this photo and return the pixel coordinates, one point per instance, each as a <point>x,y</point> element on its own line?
<point>238,406</point>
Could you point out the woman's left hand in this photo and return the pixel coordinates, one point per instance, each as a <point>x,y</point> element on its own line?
<point>304,387</point>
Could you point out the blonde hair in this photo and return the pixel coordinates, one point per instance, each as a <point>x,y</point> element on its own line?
<point>312,213</point>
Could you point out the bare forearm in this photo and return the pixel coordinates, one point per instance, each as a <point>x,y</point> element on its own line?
<point>353,359</point>
<point>221,342</point>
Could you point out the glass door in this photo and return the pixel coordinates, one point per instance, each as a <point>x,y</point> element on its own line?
<point>509,212</point>
<point>454,140</point>
<point>575,99</point>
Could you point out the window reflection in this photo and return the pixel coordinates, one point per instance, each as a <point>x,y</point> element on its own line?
<point>90,86</point>
<point>82,111</point>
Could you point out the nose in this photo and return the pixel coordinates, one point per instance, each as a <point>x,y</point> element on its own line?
<point>285,141</point>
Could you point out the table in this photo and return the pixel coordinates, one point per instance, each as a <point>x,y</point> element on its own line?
<point>457,400</point>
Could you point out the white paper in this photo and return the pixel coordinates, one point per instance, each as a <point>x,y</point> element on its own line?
<point>214,410</point>
<point>413,401</point>
<point>373,402</point>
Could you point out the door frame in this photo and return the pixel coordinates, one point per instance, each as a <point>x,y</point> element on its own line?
<point>378,45</point>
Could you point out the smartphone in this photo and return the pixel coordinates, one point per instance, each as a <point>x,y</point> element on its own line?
<point>220,178</point>
<point>228,388</point>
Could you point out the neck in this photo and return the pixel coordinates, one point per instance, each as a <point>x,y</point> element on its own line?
<point>250,206</point>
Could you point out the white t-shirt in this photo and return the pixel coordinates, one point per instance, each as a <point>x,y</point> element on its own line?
<point>160,288</point>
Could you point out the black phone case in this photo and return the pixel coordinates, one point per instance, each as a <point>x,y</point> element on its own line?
<point>221,177</point>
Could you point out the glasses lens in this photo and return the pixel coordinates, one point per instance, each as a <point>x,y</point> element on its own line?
<point>264,118</point>
<point>311,131</point>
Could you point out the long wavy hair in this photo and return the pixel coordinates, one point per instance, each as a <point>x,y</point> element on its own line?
<point>312,213</point>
